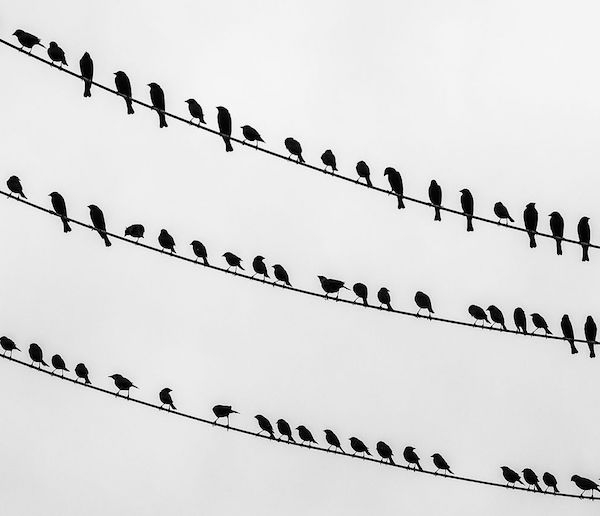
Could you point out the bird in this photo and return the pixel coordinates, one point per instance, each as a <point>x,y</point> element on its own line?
<point>358,446</point>
<point>27,40</point>
<point>557,226</point>
<point>328,159</point>
<point>199,251</point>
<point>305,435</point>
<point>196,111</point>
<point>479,314</point>
<point>122,383</point>
<point>166,399</point>
<point>59,364</point>
<point>467,204</point>
<point>567,330</point>
<point>251,134</point>
<point>412,458</point>
<point>265,426</point>
<point>331,286</point>
<point>8,345</point>
<point>166,241</point>
<point>224,123</point>
<point>531,478</point>
<point>294,148</point>
<point>511,476</point>
<point>496,316</point>
<point>135,231</point>
<point>332,440</point>
<point>86,66</point>
<point>423,302</point>
<point>591,330</point>
<point>362,169</point>
<point>98,222</point>
<point>36,355</point>
<point>550,480</point>
<point>540,323</point>
<point>60,208</point>
<point>520,320</point>
<point>124,89</point>
<point>396,186</point>
<point>440,463</point>
<point>233,261</point>
<point>284,429</point>
<point>583,231</point>
<point>14,185</point>
<point>585,484</point>
<point>157,96</point>
<point>223,411</point>
<point>56,54</point>
<point>281,275</point>
<point>530,218</point>
<point>383,295</point>
<point>82,372</point>
<point>259,267</point>
<point>385,452</point>
<point>501,212</point>
<point>361,291</point>
<point>435,196</point>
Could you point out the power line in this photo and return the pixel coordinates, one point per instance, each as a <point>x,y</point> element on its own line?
<point>291,288</point>
<point>286,158</point>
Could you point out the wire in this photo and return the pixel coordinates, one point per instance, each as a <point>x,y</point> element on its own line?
<point>289,288</point>
<point>286,158</point>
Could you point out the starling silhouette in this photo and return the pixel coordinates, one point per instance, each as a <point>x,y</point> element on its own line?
<point>511,476</point>
<point>122,384</point>
<point>86,66</point>
<point>200,251</point>
<point>440,463</point>
<point>166,399</point>
<point>82,372</point>
<point>7,346</point>
<point>540,323</point>
<point>383,295</point>
<point>157,96</point>
<point>60,208</point>
<point>59,364</point>
<point>585,484</point>
<point>281,275</point>
<point>223,411</point>
<point>224,122</point>
<point>358,446</point>
<point>385,452</point>
<point>331,286</point>
<point>251,134</point>
<point>479,314</point>
<point>520,320</point>
<point>36,355</point>
<point>362,169</point>
<point>530,218</point>
<point>294,148</point>
<point>557,226</point>
<point>496,316</point>
<point>98,222</point>
<point>166,241</point>
<point>27,40</point>
<point>531,478</point>
<point>233,261</point>
<point>423,302</point>
<point>284,429</point>
<point>583,231</point>
<point>56,54</point>
<point>502,213</point>
<point>435,196</point>
<point>259,267</point>
<point>265,426</point>
<point>14,185</point>
<point>396,186</point>
<point>361,291</point>
<point>124,89</point>
<point>305,435</point>
<point>567,330</point>
<point>550,480</point>
<point>135,231</point>
<point>412,458</point>
<point>196,111</point>
<point>467,204</point>
<point>591,331</point>
<point>332,440</point>
<point>328,159</point>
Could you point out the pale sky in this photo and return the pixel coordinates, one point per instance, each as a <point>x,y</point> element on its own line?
<point>499,97</point>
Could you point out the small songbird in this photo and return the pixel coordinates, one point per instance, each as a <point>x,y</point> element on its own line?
<point>557,226</point>
<point>98,222</point>
<point>233,261</point>
<point>295,149</point>
<point>8,345</point>
<point>520,320</point>
<point>583,231</point>
<point>532,479</point>
<point>502,213</point>
<point>135,231</point>
<point>385,452</point>
<point>122,384</point>
<point>59,364</point>
<point>265,426</point>
<point>86,66</point>
<point>284,429</point>
<point>223,411</point>
<point>251,134</point>
<point>281,275</point>
<point>196,111</point>
<point>361,291</point>
<point>157,96</point>
<point>440,463</point>
<point>332,440</point>
<point>383,295</point>
<point>435,196</point>
<point>124,89</point>
<point>14,185</point>
<point>478,314</point>
<point>496,316</point>
<point>27,40</point>
<point>362,169</point>
<point>358,446</point>
<point>412,458</point>
<point>585,484</point>
<point>467,203</point>
<point>567,330</point>
<point>423,302</point>
<point>36,355</point>
<point>60,208</point>
<point>591,331</point>
<point>396,185</point>
<point>540,323</point>
<point>328,159</point>
<point>305,435</point>
<point>56,54</point>
<point>331,286</point>
<point>530,218</point>
<point>166,399</point>
<point>82,372</point>
<point>166,241</point>
<point>259,267</point>
<point>224,123</point>
<point>511,476</point>
<point>550,480</point>
<point>199,251</point>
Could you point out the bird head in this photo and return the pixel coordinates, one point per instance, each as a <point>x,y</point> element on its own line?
<point>93,207</point>
<point>166,389</point>
<point>18,32</point>
<point>410,448</point>
<point>322,278</point>
<point>388,171</point>
<point>189,101</point>
<point>276,266</point>
<point>258,416</point>
<point>153,85</point>
<point>585,218</point>
<point>52,194</point>
<point>221,109</point>
<point>575,478</point>
<point>115,376</point>
<point>53,44</point>
<point>463,191</point>
<point>260,257</point>
<point>299,427</point>
<point>163,231</point>
<point>531,205</point>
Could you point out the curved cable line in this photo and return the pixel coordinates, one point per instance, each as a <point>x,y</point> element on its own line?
<point>261,436</point>
<point>285,287</point>
<point>286,158</point>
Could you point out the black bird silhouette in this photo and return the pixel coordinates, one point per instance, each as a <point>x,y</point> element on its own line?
<point>479,314</point>
<point>265,426</point>
<point>59,364</point>
<point>8,345</point>
<point>60,208</point>
<point>540,323</point>
<point>166,241</point>
<point>281,275</point>
<point>590,329</point>
<point>233,261</point>
<point>82,372</point>
<point>331,286</point>
<point>284,429</point>
<point>361,291</point>
<point>135,231</point>
<point>196,111</point>
<point>520,320</point>
<point>383,295</point>
<point>585,484</point>
<point>435,196</point>
<point>412,458</point>
<point>358,446</point>
<point>86,66</point>
<point>530,218</point>
<point>27,40</point>
<point>385,451</point>
<point>14,185</point>
<point>251,134</point>
<point>332,440</point>
<point>557,226</point>
<point>423,302</point>
<point>440,463</point>
<point>36,355</point>
<point>567,330</point>
<point>362,169</point>
<point>98,222</point>
<point>305,435</point>
<point>496,316</point>
<point>122,384</point>
<point>124,89</point>
<point>467,204</point>
<point>166,399</point>
<point>583,231</point>
<point>502,213</point>
<point>511,476</point>
<point>550,480</point>
<point>224,122</point>
<point>328,159</point>
<point>259,267</point>
<point>396,186</point>
<point>157,96</point>
<point>294,148</point>
<point>532,479</point>
<point>56,54</point>
<point>223,411</point>
<point>199,251</point>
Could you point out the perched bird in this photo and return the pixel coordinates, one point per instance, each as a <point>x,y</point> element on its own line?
<point>585,484</point>
<point>496,316</point>
<point>122,384</point>
<point>135,231</point>
<point>440,463</point>
<point>124,89</point>
<point>531,479</point>
<point>284,429</point>
<point>196,111</point>
<point>591,331</point>
<point>467,204</point>
<point>361,291</point>
<point>86,66</point>
<point>14,185</point>
<point>166,241</point>
<point>328,159</point>
<point>166,399</point>
<point>557,226</point>
<point>233,261</point>
<point>502,213</point>
<point>332,440</point>
<point>82,372</point>
<point>385,452</point>
<point>157,96</point>
<point>479,314</point>
<point>265,426</point>
<point>27,40</point>
<point>59,364</point>
<point>383,295</point>
<point>331,286</point>
<point>567,330</point>
<point>98,222</point>
<point>550,480</point>
<point>435,196</point>
<point>530,218</point>
<point>305,435</point>
<point>511,476</point>
<point>259,267</point>
<point>540,323</point>
<point>56,54</point>
<point>199,251</point>
<point>396,186</point>
<point>60,208</point>
<point>358,446</point>
<point>362,169</point>
<point>36,355</point>
<point>583,231</point>
<point>281,275</point>
<point>423,302</point>
<point>224,123</point>
<point>520,320</point>
<point>223,411</point>
<point>294,148</point>
<point>411,457</point>
<point>251,134</point>
<point>8,345</point>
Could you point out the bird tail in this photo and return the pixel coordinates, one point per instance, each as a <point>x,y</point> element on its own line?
<point>205,261</point>
<point>532,243</point>
<point>469,224</point>
<point>537,486</point>
<point>87,381</point>
<point>449,470</point>
<point>512,220</point>
<point>106,240</point>
<point>87,89</point>
<point>129,106</point>
<point>369,181</point>
<point>44,363</point>
<point>365,301</point>
<point>400,202</point>
<point>163,119</point>
<point>173,406</point>
<point>419,466</point>
<point>344,286</point>
<point>392,461</point>
<point>438,214</point>
<point>556,489</point>
<point>586,256</point>
<point>558,246</point>
<point>228,146</point>
<point>234,412</point>
<point>573,348</point>
<point>240,266</point>
<point>66,226</point>
<point>300,158</point>
<point>592,352</point>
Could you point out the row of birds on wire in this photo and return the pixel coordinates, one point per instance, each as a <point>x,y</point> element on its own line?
<point>306,438</point>
<point>330,286</point>
<point>157,97</point>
